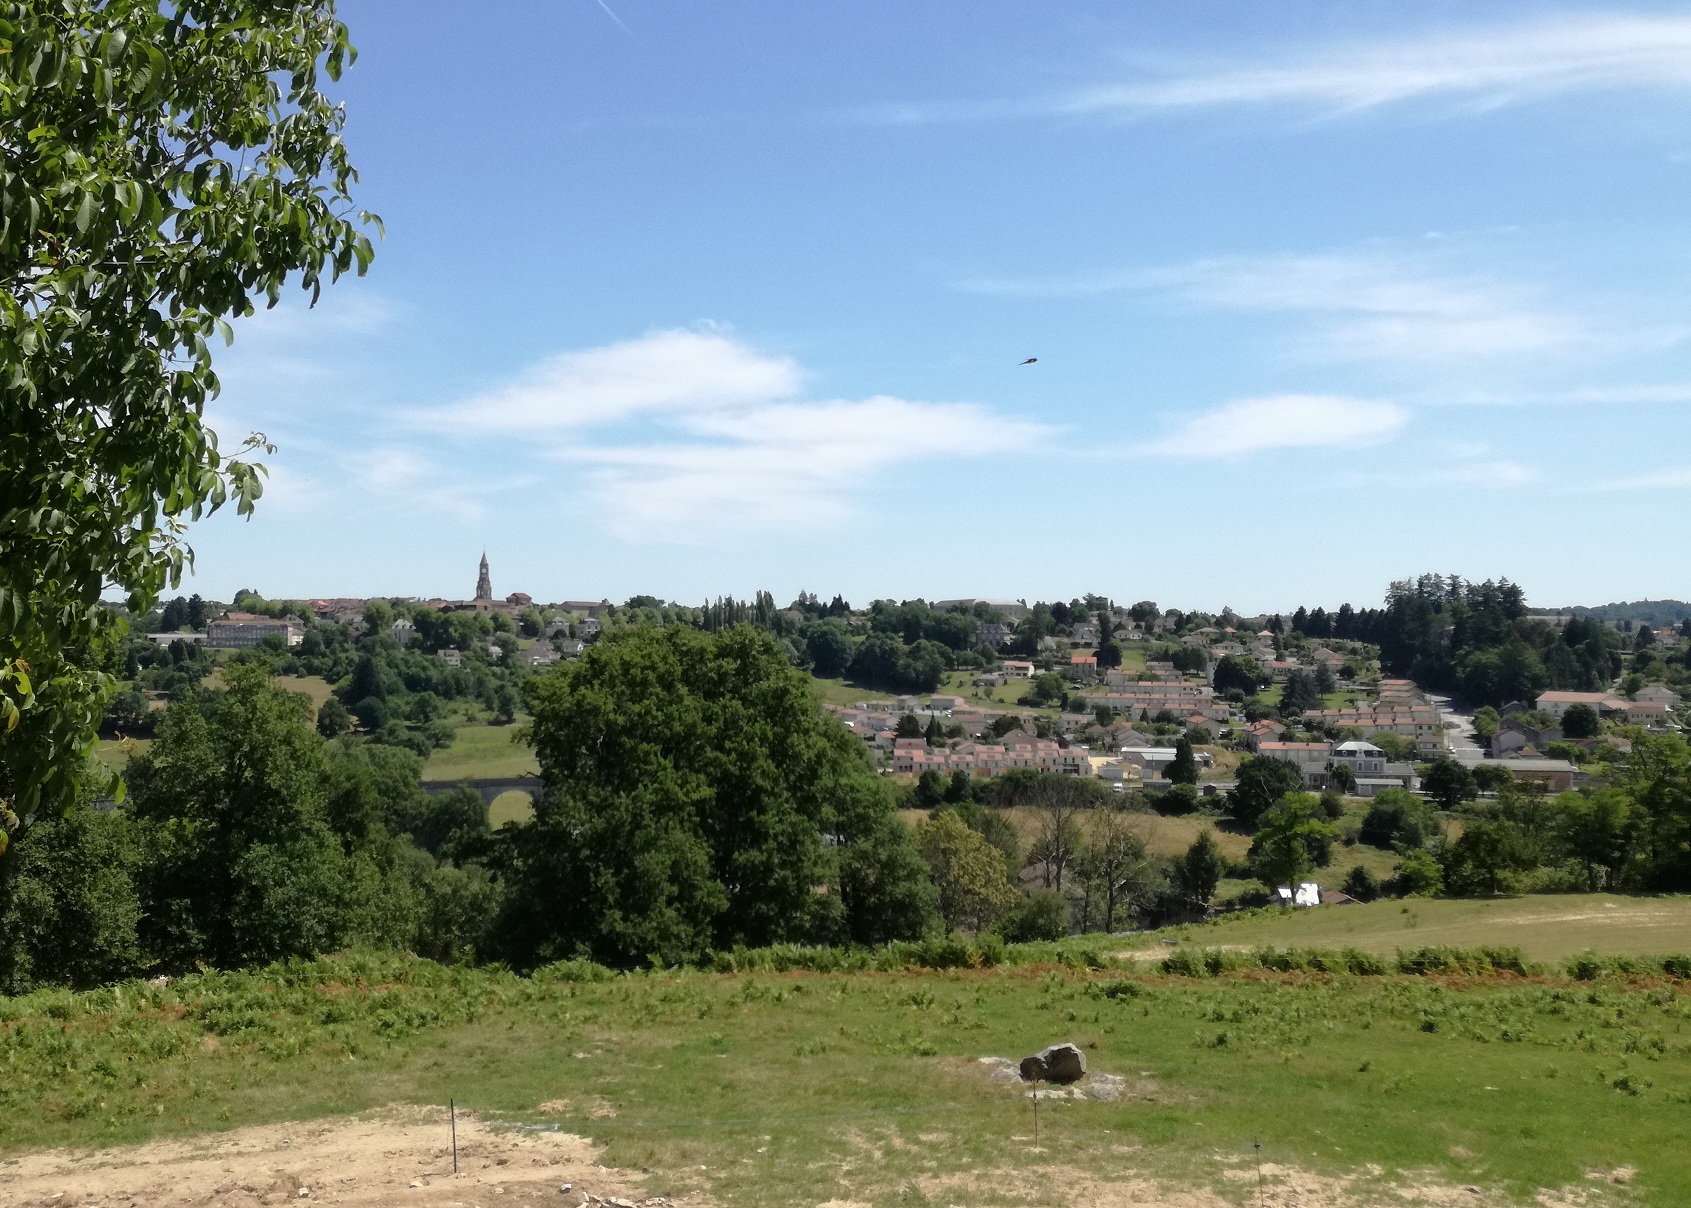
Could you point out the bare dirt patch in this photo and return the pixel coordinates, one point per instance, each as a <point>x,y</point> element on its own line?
<point>1282,1187</point>
<point>398,1156</point>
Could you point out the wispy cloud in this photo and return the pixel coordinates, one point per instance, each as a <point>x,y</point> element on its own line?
<point>686,436</point>
<point>1633,394</point>
<point>1381,309</point>
<point>1487,474</point>
<point>1284,421</point>
<point>1477,68</point>
<point>1364,307</point>
<point>1670,478</point>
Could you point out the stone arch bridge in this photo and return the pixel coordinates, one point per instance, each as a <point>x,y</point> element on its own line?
<point>490,789</point>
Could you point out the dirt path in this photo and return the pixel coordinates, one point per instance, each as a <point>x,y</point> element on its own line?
<point>400,1156</point>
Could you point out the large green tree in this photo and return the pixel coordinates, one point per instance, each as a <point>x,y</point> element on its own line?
<point>967,871</point>
<point>255,845</point>
<point>697,798</point>
<point>163,164</point>
<point>1259,783</point>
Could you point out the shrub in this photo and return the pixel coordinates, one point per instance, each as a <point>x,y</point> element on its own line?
<point>1042,915</point>
<point>1361,884</point>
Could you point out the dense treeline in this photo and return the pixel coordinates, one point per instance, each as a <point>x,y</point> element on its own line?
<point>1475,639</point>
<point>696,799</point>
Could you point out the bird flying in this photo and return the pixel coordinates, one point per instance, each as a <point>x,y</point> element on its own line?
<point>1029,361</point>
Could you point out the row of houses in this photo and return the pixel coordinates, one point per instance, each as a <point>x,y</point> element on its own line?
<point>1370,768</point>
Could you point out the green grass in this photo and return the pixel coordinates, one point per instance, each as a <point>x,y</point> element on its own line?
<point>481,752</point>
<point>840,692</point>
<point>510,807</point>
<point>115,754</point>
<point>1546,927</point>
<point>793,1088</point>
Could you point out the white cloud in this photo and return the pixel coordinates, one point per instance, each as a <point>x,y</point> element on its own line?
<point>1485,68</point>
<point>663,373</point>
<point>685,436</point>
<point>1284,421</point>
<point>782,467</point>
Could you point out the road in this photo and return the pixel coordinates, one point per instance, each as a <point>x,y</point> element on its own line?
<point>1458,729</point>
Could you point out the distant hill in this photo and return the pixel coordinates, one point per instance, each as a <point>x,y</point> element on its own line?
<point>1656,612</point>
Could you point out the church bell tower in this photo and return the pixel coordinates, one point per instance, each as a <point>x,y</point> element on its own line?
<point>484,584</point>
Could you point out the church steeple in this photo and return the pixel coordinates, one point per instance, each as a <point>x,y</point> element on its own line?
<point>484,584</point>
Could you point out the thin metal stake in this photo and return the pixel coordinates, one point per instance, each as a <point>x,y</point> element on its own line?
<point>1036,1113</point>
<point>452,1114</point>
<point>1257,1145</point>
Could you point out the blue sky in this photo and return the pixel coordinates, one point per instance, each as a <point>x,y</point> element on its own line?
<point>702,299</point>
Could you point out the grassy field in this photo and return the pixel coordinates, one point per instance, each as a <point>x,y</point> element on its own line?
<point>1171,836</point>
<point>839,692</point>
<point>1544,927</point>
<point>481,752</point>
<point>774,1089</point>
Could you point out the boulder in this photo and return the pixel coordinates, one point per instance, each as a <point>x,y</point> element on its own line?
<point>1059,1063</point>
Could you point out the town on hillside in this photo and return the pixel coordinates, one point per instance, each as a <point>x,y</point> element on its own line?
<point>1087,688</point>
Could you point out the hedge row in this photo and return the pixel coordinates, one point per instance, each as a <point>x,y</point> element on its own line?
<point>1588,966</point>
<point>1212,962</point>
<point>986,952</point>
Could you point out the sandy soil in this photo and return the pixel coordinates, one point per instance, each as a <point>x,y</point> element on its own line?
<point>400,1156</point>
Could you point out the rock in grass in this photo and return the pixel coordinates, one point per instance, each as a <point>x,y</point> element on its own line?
<point>1058,1063</point>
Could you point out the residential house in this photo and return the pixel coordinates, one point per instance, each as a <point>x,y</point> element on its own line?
<point>945,704</point>
<point>993,634</point>
<point>1259,732</point>
<point>570,647</point>
<point>1514,736</point>
<point>450,657</point>
<point>1362,758</point>
<point>1658,694</point>
<point>540,654</point>
<point>588,627</point>
<point>1017,669</point>
<point>403,631</point>
<point>1085,634</point>
<point>339,610</point>
<point>1083,666</point>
